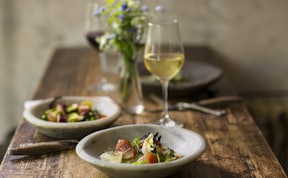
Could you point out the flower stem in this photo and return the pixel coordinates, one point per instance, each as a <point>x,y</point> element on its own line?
<point>129,74</point>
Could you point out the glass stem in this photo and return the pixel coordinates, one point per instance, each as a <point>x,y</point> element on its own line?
<point>165,97</point>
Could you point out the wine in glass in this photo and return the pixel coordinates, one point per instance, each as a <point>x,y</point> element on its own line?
<point>109,60</point>
<point>163,58</point>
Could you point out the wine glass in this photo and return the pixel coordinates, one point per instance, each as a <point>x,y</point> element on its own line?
<point>163,58</point>
<point>109,60</point>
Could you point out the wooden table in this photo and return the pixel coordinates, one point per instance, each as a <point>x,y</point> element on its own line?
<point>235,145</point>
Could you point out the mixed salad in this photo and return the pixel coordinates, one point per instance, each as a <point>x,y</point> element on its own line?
<point>145,150</point>
<point>59,112</point>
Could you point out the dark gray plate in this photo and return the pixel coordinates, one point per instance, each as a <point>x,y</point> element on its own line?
<point>199,76</point>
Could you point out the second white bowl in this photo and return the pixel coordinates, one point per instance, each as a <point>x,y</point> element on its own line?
<point>71,130</point>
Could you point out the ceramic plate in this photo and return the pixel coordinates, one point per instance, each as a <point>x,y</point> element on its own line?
<point>198,77</point>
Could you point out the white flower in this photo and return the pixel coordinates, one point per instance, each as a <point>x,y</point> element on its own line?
<point>159,8</point>
<point>145,8</point>
<point>134,4</point>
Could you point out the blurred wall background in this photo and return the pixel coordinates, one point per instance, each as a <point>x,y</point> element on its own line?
<point>250,34</point>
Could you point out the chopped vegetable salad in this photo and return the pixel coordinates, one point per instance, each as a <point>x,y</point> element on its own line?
<point>59,112</point>
<point>145,150</point>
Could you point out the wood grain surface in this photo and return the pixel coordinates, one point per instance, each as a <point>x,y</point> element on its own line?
<point>235,145</point>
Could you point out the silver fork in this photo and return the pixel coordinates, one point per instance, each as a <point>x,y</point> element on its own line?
<point>183,106</point>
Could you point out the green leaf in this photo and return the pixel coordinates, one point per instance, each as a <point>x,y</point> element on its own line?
<point>136,143</point>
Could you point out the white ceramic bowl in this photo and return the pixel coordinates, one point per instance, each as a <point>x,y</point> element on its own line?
<point>71,130</point>
<point>190,144</point>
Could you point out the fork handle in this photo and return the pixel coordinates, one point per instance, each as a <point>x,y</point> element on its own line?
<point>204,109</point>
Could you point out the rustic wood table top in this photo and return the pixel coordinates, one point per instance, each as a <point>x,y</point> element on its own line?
<point>235,145</point>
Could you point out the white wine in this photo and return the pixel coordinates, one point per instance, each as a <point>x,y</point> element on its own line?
<point>164,66</point>
<point>163,58</point>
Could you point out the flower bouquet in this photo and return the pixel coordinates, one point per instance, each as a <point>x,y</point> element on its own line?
<point>126,22</point>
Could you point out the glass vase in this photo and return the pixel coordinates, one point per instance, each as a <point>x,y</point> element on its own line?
<point>131,96</point>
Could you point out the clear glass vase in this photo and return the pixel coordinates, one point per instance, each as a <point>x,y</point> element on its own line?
<point>130,87</point>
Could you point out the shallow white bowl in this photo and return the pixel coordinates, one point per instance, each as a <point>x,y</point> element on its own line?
<point>71,130</point>
<point>190,144</point>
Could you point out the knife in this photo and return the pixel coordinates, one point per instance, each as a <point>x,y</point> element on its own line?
<point>43,147</point>
<point>220,100</point>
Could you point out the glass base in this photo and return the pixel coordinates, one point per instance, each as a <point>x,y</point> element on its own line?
<point>168,122</point>
<point>103,86</point>
<point>137,109</point>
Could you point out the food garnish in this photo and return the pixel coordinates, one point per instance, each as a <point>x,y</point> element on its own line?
<point>59,112</point>
<point>145,150</point>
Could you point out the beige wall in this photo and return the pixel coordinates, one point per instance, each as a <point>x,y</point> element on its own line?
<point>250,34</point>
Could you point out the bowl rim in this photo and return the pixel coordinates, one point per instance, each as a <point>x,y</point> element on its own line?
<point>80,151</point>
<point>27,113</point>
